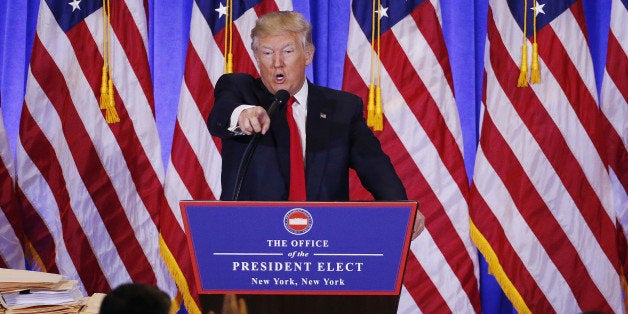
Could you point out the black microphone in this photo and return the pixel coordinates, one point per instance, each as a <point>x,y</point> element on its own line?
<point>280,98</point>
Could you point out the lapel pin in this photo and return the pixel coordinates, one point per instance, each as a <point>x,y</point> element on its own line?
<point>323,115</point>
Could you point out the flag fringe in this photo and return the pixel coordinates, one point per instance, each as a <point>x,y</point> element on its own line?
<point>496,269</point>
<point>179,278</point>
<point>33,257</point>
<point>624,287</point>
<point>523,70</point>
<point>535,75</point>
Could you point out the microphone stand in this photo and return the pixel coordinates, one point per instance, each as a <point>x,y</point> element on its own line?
<point>281,97</point>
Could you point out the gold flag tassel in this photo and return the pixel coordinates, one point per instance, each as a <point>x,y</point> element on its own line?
<point>370,107</point>
<point>229,38</point>
<point>378,116</point>
<point>535,74</point>
<point>378,124</point>
<point>523,70</point>
<point>104,91</point>
<point>107,93</point>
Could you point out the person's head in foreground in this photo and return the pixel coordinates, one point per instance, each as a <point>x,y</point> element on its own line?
<point>135,298</point>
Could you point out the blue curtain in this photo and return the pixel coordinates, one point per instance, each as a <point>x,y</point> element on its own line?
<point>464,28</point>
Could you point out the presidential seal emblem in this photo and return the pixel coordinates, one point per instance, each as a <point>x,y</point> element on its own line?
<point>298,221</point>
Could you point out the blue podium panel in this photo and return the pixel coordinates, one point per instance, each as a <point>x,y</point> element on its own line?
<point>299,247</point>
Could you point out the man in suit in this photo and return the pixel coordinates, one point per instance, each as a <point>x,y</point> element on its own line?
<point>331,124</point>
<point>333,137</point>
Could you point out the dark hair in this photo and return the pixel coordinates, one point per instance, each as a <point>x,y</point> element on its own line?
<point>135,298</point>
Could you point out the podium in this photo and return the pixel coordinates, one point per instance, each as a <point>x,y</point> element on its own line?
<point>299,248</point>
<point>300,257</point>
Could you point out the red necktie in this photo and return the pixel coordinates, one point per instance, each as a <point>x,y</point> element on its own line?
<point>297,168</point>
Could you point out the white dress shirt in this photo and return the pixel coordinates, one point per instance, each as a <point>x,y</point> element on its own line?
<point>299,112</point>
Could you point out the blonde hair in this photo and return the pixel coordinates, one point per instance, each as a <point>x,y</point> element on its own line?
<point>281,22</point>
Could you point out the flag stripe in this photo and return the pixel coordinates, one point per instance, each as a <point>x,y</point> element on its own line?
<point>135,137</point>
<point>432,31</point>
<point>11,229</point>
<point>421,128</point>
<point>419,283</point>
<point>540,184</point>
<point>99,187</point>
<point>617,154</point>
<point>134,151</point>
<point>568,140</point>
<point>556,149</point>
<point>428,114</point>
<point>38,236</point>
<point>40,153</point>
<point>136,53</point>
<point>614,105</point>
<point>269,6</point>
<point>559,250</point>
<point>194,150</point>
<point>522,280</point>
<point>198,83</point>
<point>614,96</point>
<point>619,63</point>
<point>203,149</point>
<point>430,205</point>
<point>93,175</point>
<point>245,65</point>
<point>198,190</point>
<point>556,54</point>
<point>406,303</point>
<point>557,152</point>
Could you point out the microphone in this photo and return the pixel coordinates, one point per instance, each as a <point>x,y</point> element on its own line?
<point>280,98</point>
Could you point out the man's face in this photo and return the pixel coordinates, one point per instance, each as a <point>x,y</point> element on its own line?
<point>282,60</point>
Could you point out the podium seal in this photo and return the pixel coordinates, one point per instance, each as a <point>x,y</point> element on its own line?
<point>298,221</point>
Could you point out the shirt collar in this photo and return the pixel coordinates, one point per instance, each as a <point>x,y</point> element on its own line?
<point>301,95</point>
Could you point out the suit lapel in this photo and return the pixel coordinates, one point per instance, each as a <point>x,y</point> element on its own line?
<point>262,95</point>
<point>317,130</point>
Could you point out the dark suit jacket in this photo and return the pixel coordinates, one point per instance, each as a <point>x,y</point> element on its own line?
<point>337,138</point>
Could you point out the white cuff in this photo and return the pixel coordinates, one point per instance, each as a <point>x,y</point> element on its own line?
<point>233,125</point>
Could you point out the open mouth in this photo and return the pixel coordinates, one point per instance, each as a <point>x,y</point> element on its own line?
<point>280,78</point>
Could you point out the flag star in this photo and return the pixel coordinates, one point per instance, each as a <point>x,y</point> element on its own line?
<point>222,10</point>
<point>538,8</point>
<point>382,12</point>
<point>75,4</point>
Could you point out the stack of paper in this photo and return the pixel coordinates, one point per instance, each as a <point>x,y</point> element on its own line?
<point>92,305</point>
<point>23,291</point>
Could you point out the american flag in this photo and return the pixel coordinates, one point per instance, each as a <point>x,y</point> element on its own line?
<point>11,251</point>
<point>614,104</point>
<point>422,136</point>
<point>92,190</point>
<point>195,164</point>
<point>541,203</point>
